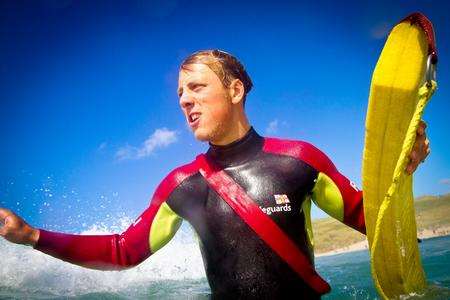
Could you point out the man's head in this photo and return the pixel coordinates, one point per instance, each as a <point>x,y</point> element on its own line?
<point>212,88</point>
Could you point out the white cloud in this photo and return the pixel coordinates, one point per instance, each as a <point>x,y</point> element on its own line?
<point>126,152</point>
<point>161,138</point>
<point>445,181</point>
<point>273,127</point>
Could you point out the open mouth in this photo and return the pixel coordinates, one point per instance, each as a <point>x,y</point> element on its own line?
<point>194,119</point>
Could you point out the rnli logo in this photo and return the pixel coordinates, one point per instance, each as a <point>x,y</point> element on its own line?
<point>281,199</point>
<point>283,205</point>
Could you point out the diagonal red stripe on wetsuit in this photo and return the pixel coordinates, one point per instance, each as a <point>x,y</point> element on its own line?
<point>263,226</point>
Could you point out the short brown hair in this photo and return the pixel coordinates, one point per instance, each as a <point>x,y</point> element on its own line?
<point>225,65</point>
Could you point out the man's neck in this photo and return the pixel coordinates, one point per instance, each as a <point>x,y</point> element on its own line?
<point>238,151</point>
<point>238,133</point>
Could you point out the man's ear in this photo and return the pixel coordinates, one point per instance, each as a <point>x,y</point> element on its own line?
<point>236,90</point>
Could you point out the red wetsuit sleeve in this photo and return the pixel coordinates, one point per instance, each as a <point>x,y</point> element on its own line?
<point>121,251</point>
<point>103,252</point>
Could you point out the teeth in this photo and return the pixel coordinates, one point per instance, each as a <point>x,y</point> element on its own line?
<point>194,117</point>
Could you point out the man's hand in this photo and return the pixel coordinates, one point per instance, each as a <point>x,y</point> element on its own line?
<point>420,150</point>
<point>16,230</point>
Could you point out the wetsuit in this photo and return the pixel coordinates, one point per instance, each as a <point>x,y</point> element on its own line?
<point>281,175</point>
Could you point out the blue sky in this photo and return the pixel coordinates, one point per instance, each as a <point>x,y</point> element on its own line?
<point>89,116</point>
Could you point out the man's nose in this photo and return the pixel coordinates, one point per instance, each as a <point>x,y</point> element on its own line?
<point>186,101</point>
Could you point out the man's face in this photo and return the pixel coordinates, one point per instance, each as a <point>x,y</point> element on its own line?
<point>205,103</point>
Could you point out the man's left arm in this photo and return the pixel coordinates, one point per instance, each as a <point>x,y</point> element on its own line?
<point>340,197</point>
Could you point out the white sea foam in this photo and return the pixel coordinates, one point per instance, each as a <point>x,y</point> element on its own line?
<point>26,269</point>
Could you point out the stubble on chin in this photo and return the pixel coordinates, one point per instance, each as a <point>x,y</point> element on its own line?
<point>216,133</point>
<point>201,137</point>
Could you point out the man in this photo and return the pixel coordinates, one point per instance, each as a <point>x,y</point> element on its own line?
<point>280,175</point>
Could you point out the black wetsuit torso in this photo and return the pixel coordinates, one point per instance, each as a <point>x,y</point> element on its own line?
<point>237,261</point>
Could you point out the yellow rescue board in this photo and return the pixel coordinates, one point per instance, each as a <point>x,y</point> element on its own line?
<point>398,95</point>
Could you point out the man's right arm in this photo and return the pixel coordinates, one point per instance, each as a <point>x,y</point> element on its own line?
<point>151,231</point>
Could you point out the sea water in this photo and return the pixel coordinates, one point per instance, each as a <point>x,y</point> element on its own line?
<point>176,272</point>
<point>350,278</point>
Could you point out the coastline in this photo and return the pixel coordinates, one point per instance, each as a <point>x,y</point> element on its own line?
<point>362,245</point>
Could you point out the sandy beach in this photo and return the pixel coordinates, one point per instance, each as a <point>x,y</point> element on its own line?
<point>423,234</point>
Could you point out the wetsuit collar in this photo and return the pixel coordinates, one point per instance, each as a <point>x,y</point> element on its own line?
<point>238,151</point>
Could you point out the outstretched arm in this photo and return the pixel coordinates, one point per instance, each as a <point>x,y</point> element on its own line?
<point>151,231</point>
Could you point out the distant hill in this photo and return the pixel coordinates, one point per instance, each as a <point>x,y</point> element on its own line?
<point>432,213</point>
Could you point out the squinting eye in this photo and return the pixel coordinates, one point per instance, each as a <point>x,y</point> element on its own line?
<point>198,87</point>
